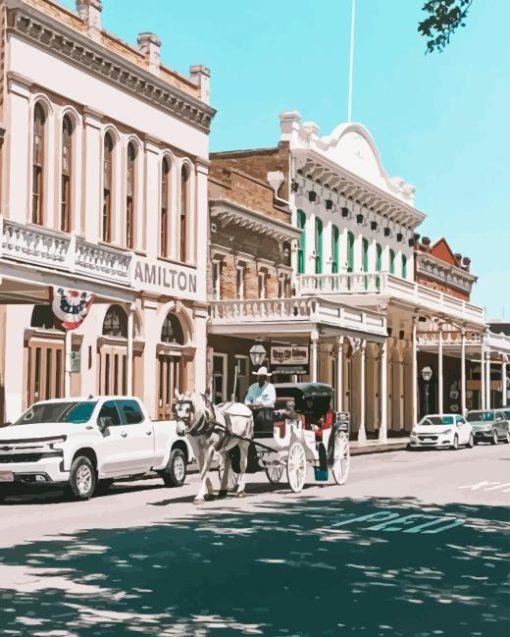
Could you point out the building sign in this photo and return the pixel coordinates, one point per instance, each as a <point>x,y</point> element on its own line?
<point>164,278</point>
<point>292,359</point>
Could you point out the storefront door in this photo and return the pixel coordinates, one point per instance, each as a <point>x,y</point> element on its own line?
<point>169,374</point>
<point>45,378</point>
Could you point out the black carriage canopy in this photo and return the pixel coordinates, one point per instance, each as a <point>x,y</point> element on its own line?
<point>320,393</point>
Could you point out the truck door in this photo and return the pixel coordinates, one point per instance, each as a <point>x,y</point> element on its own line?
<point>139,440</point>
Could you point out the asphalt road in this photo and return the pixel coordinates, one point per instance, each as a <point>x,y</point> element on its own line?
<point>416,543</point>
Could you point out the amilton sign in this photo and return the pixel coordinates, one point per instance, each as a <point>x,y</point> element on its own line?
<point>157,276</point>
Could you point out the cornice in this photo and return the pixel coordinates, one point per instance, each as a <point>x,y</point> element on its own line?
<point>435,269</point>
<point>80,50</point>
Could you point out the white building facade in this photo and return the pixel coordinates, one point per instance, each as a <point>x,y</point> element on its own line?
<point>103,190</point>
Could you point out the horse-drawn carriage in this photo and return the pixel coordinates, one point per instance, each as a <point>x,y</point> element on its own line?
<point>301,430</point>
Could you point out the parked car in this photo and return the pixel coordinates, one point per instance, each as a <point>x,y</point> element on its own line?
<point>81,443</point>
<point>490,425</point>
<point>442,431</point>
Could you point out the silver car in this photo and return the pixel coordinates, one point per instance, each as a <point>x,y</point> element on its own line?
<point>490,425</point>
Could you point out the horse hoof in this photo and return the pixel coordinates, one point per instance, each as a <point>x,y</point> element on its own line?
<point>198,500</point>
<point>241,494</point>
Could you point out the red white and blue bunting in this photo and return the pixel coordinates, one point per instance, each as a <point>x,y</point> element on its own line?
<point>70,307</point>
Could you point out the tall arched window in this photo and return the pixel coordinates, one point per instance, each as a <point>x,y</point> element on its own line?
<point>171,332</point>
<point>404,267</point>
<point>378,257</point>
<point>65,179</point>
<point>115,322</point>
<point>318,246</point>
<point>392,261</point>
<point>107,187</point>
<point>335,249</point>
<point>130,195</point>
<point>350,251</point>
<point>184,213</point>
<point>38,164</point>
<point>301,223</point>
<point>165,206</point>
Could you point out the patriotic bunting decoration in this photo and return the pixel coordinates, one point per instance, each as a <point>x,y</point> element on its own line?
<point>70,307</point>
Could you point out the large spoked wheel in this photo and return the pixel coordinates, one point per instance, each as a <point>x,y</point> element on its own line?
<point>233,477</point>
<point>274,473</point>
<point>296,467</point>
<point>341,459</point>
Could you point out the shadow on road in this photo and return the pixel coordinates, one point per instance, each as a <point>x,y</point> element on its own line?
<point>294,568</point>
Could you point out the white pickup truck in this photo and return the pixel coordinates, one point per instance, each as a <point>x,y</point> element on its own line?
<point>83,443</point>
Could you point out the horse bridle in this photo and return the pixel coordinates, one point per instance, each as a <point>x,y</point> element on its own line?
<point>204,425</point>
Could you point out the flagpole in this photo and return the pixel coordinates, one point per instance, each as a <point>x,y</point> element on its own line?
<point>351,61</point>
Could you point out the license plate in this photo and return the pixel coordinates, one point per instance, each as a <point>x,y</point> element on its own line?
<point>6,476</point>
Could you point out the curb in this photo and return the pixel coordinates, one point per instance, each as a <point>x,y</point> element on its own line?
<point>361,451</point>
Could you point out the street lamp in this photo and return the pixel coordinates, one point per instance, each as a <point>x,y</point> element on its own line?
<point>257,354</point>
<point>426,374</point>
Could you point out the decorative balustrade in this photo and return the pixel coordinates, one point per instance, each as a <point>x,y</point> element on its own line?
<point>385,284</point>
<point>48,248</point>
<point>260,310</point>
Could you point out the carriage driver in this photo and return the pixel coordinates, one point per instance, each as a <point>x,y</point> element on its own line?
<point>261,393</point>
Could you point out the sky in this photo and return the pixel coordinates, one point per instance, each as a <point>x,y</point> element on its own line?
<point>440,121</point>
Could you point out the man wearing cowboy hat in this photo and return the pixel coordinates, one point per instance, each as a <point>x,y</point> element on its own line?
<point>261,393</point>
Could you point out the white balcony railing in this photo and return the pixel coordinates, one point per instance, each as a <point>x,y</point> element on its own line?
<point>50,249</point>
<point>261,310</point>
<point>385,284</point>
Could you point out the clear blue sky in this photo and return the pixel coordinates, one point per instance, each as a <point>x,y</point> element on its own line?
<point>440,121</point>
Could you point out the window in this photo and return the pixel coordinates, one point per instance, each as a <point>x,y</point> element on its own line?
<point>216,280</point>
<point>350,251</point>
<point>240,281</point>
<point>115,322</point>
<point>130,195</point>
<point>404,267</point>
<point>378,257</point>
<point>171,331</point>
<point>335,249</point>
<point>364,245</point>
<point>107,187</point>
<point>262,285</point>
<point>165,206</point>
<point>42,317</point>
<point>38,164</point>
<point>283,286</point>
<point>318,246</point>
<point>184,213</point>
<point>130,412</point>
<point>392,261</point>
<point>108,414</point>
<point>301,222</point>
<point>65,183</point>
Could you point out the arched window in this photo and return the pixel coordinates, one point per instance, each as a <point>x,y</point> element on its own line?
<point>172,330</point>
<point>115,322</point>
<point>38,164</point>
<point>184,212</point>
<point>65,179</point>
<point>130,195</point>
<point>107,187</point>
<point>378,257</point>
<point>165,206</point>
<point>364,247</point>
<point>350,251</point>
<point>318,246</point>
<point>392,261</point>
<point>301,223</point>
<point>404,267</point>
<point>42,317</point>
<point>335,249</point>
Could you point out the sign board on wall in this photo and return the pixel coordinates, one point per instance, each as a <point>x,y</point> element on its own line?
<point>291,359</point>
<point>162,277</point>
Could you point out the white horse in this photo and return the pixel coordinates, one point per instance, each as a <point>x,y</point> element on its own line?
<point>215,429</point>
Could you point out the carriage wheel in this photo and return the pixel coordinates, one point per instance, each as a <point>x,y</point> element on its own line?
<point>296,467</point>
<point>274,473</point>
<point>232,478</point>
<point>341,459</point>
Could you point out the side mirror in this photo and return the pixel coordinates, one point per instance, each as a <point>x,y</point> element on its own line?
<point>103,422</point>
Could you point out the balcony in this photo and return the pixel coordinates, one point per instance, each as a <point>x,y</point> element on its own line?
<point>236,317</point>
<point>368,286</point>
<point>49,249</point>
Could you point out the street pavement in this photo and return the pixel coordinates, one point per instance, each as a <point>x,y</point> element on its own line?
<point>415,544</point>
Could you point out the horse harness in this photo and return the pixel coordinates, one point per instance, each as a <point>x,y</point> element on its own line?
<point>207,426</point>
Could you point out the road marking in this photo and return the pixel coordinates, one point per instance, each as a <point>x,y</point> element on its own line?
<point>390,521</point>
<point>485,485</point>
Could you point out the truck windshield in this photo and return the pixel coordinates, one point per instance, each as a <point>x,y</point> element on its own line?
<point>72,412</point>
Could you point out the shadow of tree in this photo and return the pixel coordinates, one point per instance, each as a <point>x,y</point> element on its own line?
<point>285,569</point>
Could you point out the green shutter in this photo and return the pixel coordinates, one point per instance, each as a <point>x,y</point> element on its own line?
<point>350,255</point>
<point>378,263</point>
<point>392,262</point>
<point>336,249</point>
<point>404,267</point>
<point>318,246</point>
<point>365,255</point>
<point>301,222</point>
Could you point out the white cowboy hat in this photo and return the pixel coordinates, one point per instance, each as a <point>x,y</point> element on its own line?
<point>262,371</point>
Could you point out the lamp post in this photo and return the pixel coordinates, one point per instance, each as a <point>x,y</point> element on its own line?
<point>426,374</point>
<point>257,354</point>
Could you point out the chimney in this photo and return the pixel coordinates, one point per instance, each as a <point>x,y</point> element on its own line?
<point>201,77</point>
<point>90,12</point>
<point>150,45</point>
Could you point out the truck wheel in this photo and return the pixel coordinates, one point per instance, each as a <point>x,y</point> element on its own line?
<point>83,478</point>
<point>175,472</point>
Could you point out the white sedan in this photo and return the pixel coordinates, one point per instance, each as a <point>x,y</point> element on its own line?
<point>448,431</point>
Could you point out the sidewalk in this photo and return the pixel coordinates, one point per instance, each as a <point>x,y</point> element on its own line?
<point>376,446</point>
